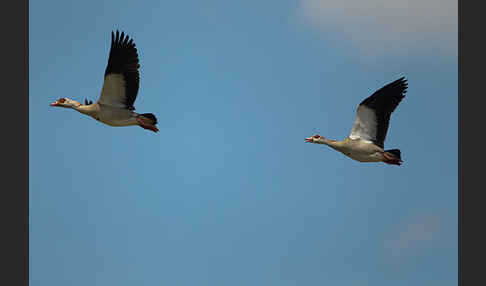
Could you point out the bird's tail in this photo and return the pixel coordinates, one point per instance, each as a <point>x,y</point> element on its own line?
<point>393,157</point>
<point>150,118</point>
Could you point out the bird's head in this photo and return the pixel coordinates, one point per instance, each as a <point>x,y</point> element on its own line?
<point>66,103</point>
<point>318,139</point>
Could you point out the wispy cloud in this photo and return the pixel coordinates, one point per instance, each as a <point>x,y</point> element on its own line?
<point>412,235</point>
<point>375,27</point>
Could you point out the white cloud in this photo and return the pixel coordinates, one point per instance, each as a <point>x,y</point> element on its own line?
<point>375,27</point>
<point>413,234</point>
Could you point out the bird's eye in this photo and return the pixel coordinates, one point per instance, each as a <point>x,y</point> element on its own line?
<point>317,136</point>
<point>61,100</point>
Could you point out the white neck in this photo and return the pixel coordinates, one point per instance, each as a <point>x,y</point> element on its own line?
<point>337,145</point>
<point>90,110</point>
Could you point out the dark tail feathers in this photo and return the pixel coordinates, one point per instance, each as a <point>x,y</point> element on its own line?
<point>150,116</point>
<point>395,152</point>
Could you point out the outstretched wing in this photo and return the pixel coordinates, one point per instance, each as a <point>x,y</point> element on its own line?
<point>121,75</point>
<point>373,113</point>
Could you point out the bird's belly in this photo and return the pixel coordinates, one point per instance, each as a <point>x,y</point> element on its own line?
<point>119,122</point>
<point>365,157</point>
<point>116,117</point>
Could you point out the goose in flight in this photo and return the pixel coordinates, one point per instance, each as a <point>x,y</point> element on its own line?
<point>115,104</point>
<point>365,143</point>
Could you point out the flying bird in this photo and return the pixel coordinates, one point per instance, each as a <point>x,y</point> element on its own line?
<point>365,143</point>
<point>115,104</point>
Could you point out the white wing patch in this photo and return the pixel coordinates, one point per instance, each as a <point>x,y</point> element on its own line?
<point>365,126</point>
<point>113,92</point>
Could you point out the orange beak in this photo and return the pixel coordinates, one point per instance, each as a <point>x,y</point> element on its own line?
<point>309,140</point>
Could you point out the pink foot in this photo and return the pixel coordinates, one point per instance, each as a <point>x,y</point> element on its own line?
<point>391,160</point>
<point>147,126</point>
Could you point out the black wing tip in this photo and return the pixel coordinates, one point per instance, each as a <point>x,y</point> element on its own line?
<point>401,83</point>
<point>397,89</point>
<point>120,37</point>
<point>401,80</point>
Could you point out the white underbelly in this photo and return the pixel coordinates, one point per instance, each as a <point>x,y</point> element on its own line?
<point>116,117</point>
<point>363,157</point>
<point>123,122</point>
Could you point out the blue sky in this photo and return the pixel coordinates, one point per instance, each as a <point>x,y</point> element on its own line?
<point>228,193</point>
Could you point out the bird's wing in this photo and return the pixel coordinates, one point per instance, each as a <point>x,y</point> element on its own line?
<point>373,113</point>
<point>121,75</point>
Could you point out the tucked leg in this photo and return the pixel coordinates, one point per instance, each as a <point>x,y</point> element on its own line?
<point>390,159</point>
<point>147,126</point>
